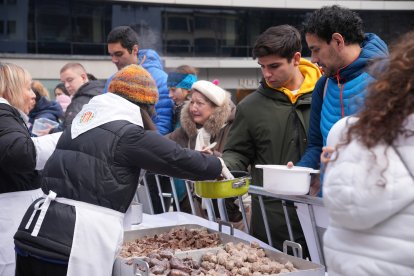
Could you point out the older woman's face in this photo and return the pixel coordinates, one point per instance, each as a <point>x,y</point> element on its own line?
<point>29,98</point>
<point>200,108</point>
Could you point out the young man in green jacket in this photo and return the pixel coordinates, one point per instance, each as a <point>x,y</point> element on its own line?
<point>271,124</point>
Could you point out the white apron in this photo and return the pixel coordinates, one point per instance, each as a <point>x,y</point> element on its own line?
<point>97,236</point>
<point>13,206</point>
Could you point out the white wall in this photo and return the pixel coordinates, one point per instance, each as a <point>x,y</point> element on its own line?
<point>233,73</point>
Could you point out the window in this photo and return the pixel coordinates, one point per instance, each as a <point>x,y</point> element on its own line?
<point>81,26</point>
<point>177,23</point>
<point>11,27</point>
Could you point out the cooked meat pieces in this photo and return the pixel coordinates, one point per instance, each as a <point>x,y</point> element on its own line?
<point>179,264</point>
<point>156,262</point>
<point>173,266</point>
<point>157,270</point>
<point>177,272</point>
<point>179,238</point>
<point>231,259</point>
<point>243,259</point>
<point>166,254</point>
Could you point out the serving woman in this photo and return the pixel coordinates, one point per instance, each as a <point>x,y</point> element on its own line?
<point>91,179</point>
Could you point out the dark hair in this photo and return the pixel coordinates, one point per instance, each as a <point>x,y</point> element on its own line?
<point>186,69</point>
<point>283,41</point>
<point>124,35</point>
<point>335,19</point>
<point>390,99</point>
<point>62,87</point>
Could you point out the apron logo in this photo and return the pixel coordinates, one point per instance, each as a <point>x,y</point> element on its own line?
<point>87,117</point>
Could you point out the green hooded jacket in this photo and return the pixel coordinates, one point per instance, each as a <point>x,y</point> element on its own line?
<point>270,128</point>
<point>267,129</point>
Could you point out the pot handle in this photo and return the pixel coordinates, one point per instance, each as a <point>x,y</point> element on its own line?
<point>141,267</point>
<point>238,184</point>
<point>225,223</point>
<point>294,246</point>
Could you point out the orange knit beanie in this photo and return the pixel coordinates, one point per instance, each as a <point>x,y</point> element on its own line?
<point>135,84</point>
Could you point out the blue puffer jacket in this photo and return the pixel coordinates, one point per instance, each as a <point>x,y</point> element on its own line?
<point>344,96</point>
<point>151,61</point>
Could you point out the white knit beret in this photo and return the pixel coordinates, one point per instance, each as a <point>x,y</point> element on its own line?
<point>213,92</point>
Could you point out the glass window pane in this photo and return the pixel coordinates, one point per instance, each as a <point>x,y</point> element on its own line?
<point>81,26</point>
<point>11,27</point>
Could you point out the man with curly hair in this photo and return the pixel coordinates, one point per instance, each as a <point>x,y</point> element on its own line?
<point>340,47</point>
<point>374,164</point>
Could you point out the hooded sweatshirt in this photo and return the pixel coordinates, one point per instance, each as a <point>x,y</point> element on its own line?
<point>270,127</point>
<point>310,72</point>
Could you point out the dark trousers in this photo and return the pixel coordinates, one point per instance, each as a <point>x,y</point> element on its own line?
<point>31,266</point>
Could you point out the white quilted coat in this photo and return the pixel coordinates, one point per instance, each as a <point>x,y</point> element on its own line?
<point>370,199</point>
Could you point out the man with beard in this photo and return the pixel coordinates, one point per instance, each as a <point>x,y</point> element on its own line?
<point>340,47</point>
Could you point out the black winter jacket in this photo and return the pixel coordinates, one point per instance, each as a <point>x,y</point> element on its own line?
<point>102,167</point>
<point>17,153</point>
<point>85,93</point>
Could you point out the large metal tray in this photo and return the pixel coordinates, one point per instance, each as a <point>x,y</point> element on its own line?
<point>123,266</point>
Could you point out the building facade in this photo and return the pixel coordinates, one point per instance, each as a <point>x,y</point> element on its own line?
<point>214,36</point>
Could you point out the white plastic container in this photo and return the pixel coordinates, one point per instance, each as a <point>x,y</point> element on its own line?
<point>280,179</point>
<point>133,215</point>
<point>42,124</point>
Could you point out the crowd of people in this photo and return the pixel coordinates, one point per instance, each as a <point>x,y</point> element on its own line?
<point>348,110</point>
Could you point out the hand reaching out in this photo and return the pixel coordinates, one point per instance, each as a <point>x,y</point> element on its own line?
<point>225,172</point>
<point>209,149</point>
<point>41,132</point>
<point>326,154</point>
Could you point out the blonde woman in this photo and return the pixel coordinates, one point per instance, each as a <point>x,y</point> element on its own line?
<point>19,181</point>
